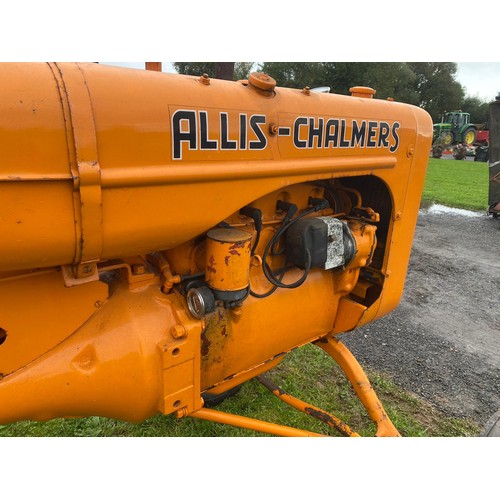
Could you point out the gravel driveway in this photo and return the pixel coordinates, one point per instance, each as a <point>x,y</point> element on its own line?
<point>443,341</point>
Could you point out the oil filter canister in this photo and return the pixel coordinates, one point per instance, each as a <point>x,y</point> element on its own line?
<point>228,263</point>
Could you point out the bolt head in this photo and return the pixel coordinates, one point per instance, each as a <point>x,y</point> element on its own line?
<point>178,331</point>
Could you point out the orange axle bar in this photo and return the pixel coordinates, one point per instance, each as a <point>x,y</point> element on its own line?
<point>251,423</point>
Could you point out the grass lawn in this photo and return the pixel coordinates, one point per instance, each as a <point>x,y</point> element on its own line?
<point>457,183</point>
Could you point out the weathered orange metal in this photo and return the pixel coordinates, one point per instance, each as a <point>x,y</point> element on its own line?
<point>307,408</point>
<point>228,259</point>
<point>113,184</point>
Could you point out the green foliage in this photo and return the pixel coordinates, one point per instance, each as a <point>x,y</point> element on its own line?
<point>432,86</point>
<point>437,87</point>
<point>241,69</point>
<point>195,68</point>
<point>457,183</point>
<point>296,75</point>
<point>389,79</point>
<point>479,110</point>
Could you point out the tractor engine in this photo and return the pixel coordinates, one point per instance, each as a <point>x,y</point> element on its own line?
<point>167,238</point>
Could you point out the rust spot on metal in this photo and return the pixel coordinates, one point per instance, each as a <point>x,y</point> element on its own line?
<point>271,386</point>
<point>210,266</point>
<point>223,331</point>
<point>237,244</point>
<point>320,415</point>
<point>278,355</point>
<point>328,419</point>
<point>205,343</point>
<point>234,252</point>
<point>226,260</point>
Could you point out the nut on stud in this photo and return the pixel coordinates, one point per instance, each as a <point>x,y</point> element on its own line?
<point>204,79</point>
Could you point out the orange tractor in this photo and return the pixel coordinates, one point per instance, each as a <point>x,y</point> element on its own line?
<point>166,238</point>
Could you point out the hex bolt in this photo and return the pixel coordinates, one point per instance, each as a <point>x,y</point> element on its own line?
<point>178,331</point>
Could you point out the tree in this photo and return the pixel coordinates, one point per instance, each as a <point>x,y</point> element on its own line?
<point>437,87</point>
<point>388,79</point>
<point>242,70</point>
<point>223,70</point>
<point>479,110</point>
<point>296,74</point>
<point>195,68</point>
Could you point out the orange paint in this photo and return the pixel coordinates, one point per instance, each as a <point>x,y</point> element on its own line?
<point>115,184</point>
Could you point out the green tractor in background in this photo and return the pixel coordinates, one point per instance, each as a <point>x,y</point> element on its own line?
<point>455,130</point>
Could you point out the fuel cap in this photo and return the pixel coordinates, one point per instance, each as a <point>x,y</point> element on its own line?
<point>262,81</point>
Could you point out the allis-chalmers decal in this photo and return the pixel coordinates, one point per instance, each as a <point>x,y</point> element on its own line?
<point>247,131</point>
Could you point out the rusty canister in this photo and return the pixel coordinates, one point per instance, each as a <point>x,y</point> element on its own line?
<point>228,262</point>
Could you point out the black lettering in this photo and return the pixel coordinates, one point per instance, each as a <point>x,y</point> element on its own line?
<point>179,136</point>
<point>261,143</point>
<point>243,131</point>
<point>395,136</point>
<point>296,132</point>
<point>329,137</point>
<point>225,143</point>
<point>343,142</point>
<point>315,132</point>
<point>384,134</point>
<point>205,143</point>
<point>358,134</point>
<point>372,132</point>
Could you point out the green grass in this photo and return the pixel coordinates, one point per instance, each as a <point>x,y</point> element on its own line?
<point>457,183</point>
<point>307,373</point>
